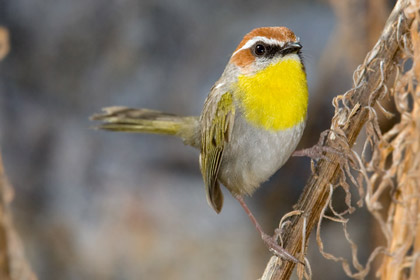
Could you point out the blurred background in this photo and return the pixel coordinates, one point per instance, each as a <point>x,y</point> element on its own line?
<point>99,205</point>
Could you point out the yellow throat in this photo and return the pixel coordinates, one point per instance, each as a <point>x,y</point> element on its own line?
<point>275,98</point>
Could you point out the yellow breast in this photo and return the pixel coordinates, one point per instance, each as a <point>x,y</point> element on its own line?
<point>276,98</point>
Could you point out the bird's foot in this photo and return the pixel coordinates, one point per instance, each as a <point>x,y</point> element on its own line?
<point>276,249</point>
<point>319,151</point>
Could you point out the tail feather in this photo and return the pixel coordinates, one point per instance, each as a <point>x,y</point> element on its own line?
<point>149,121</point>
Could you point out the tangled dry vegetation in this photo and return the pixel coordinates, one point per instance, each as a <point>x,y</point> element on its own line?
<point>386,173</point>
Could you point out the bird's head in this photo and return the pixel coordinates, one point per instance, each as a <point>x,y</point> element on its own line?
<point>265,46</point>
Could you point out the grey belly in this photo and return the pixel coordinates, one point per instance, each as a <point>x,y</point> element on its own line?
<point>253,155</point>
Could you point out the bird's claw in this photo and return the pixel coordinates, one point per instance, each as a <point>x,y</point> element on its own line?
<point>277,250</point>
<point>318,152</point>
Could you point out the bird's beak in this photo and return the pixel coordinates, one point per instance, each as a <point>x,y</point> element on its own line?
<point>292,47</point>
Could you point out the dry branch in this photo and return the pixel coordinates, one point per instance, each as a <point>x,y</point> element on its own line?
<point>4,42</point>
<point>402,144</point>
<point>352,112</point>
<point>13,265</point>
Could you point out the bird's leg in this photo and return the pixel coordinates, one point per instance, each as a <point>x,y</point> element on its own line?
<point>270,242</point>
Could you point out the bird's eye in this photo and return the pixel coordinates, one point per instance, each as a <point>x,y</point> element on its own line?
<point>259,49</point>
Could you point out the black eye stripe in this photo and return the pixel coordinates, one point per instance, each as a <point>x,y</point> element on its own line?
<point>271,50</point>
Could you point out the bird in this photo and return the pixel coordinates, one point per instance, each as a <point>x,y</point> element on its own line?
<point>252,120</point>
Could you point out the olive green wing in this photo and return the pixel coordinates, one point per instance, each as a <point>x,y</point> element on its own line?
<point>217,123</point>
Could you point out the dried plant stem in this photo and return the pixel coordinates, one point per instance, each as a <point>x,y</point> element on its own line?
<point>4,42</point>
<point>404,211</point>
<point>13,265</point>
<point>392,266</point>
<point>370,82</point>
<point>416,269</point>
<point>405,207</point>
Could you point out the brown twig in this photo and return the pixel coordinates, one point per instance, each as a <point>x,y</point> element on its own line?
<point>370,81</point>
<point>403,224</point>
<point>4,42</point>
<point>13,265</point>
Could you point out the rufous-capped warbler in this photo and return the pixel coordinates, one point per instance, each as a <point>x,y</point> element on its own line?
<point>252,120</point>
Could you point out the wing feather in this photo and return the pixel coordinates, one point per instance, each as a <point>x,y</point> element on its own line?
<point>217,123</point>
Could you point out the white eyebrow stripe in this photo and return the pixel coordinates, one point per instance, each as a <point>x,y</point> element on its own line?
<point>266,40</point>
<point>219,85</point>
